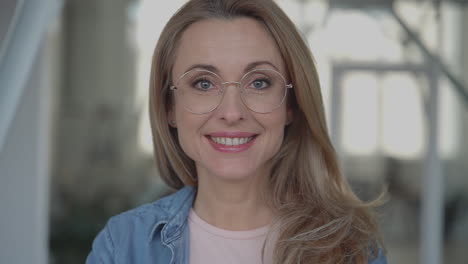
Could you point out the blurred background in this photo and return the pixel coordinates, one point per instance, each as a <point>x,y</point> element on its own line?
<point>75,143</point>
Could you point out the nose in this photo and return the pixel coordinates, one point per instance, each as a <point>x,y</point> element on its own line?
<point>231,109</point>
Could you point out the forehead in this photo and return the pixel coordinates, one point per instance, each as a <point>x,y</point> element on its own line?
<point>228,45</point>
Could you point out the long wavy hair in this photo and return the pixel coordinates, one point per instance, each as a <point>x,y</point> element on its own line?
<point>319,219</point>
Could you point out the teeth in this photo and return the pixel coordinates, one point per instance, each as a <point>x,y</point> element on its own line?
<point>231,141</point>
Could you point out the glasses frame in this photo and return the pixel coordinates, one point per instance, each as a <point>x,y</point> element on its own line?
<point>174,88</point>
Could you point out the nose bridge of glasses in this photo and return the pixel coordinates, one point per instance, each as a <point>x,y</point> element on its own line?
<point>226,84</point>
<point>233,98</point>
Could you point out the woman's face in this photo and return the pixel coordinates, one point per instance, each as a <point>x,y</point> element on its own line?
<point>216,141</point>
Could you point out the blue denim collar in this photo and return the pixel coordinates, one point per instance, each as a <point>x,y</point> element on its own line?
<point>173,214</point>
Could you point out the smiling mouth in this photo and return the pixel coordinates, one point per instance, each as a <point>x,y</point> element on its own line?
<point>231,141</point>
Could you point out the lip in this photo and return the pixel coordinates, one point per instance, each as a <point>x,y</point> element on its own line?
<point>231,149</point>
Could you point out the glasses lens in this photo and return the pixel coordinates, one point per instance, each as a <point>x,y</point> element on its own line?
<point>199,91</point>
<point>263,90</point>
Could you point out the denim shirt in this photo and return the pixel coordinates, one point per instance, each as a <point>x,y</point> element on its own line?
<point>154,233</point>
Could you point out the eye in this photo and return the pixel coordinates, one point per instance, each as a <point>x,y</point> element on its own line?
<point>203,84</point>
<point>260,84</point>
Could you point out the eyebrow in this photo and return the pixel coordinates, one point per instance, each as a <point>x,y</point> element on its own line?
<point>248,68</point>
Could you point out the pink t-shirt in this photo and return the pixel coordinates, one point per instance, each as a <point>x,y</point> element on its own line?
<point>210,244</point>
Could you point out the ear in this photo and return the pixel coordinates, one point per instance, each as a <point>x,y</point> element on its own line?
<point>171,118</point>
<point>289,116</point>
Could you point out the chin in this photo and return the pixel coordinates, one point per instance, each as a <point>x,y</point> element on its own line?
<point>235,173</point>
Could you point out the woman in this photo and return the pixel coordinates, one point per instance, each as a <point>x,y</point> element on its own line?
<point>239,129</point>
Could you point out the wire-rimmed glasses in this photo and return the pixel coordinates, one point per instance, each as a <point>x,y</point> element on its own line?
<point>201,91</point>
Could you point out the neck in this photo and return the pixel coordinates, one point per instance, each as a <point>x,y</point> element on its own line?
<point>231,205</point>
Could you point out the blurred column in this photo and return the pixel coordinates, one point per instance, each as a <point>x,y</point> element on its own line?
<point>25,126</point>
<point>433,185</point>
<point>97,153</point>
<point>24,180</point>
<point>464,37</point>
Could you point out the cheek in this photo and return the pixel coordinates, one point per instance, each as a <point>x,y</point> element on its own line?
<point>188,130</point>
<point>188,145</point>
<point>185,132</point>
<point>274,126</point>
<point>278,138</point>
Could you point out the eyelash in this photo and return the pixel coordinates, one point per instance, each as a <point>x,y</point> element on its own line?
<point>197,81</point>
<point>264,80</point>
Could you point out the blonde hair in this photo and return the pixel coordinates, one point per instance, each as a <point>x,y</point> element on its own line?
<point>320,219</point>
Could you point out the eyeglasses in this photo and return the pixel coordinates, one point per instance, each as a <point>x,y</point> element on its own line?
<point>201,91</point>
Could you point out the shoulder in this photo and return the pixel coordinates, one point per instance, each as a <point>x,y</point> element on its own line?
<point>138,226</point>
<point>149,215</point>
<point>380,257</point>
